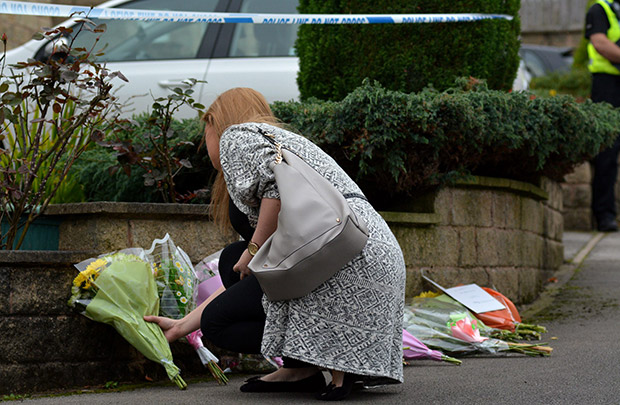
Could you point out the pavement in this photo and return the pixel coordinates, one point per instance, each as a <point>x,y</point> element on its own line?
<point>580,310</point>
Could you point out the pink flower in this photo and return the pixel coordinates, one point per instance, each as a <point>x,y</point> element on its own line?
<point>415,349</point>
<point>467,330</point>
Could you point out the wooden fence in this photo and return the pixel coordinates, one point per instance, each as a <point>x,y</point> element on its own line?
<point>552,22</point>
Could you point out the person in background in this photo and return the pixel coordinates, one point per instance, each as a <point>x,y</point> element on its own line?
<point>350,325</point>
<point>603,32</point>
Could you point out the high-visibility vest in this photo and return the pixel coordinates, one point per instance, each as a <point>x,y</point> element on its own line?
<point>598,63</point>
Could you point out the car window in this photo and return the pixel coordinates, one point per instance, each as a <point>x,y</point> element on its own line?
<point>147,40</point>
<point>250,40</point>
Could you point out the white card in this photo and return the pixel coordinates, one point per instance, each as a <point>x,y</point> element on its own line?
<point>472,296</point>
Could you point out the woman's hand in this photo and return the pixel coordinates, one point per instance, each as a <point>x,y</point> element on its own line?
<point>242,265</point>
<point>171,327</point>
<point>267,224</point>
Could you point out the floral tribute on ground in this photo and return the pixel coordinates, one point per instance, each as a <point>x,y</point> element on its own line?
<point>178,285</point>
<point>444,324</point>
<point>120,288</point>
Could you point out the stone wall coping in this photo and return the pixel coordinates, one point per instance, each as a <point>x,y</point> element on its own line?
<point>133,209</point>
<point>410,218</point>
<point>519,187</point>
<point>47,257</point>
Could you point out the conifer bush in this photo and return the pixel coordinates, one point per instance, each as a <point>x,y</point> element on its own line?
<point>334,59</point>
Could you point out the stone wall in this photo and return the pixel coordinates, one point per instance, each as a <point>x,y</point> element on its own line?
<point>492,232</point>
<point>106,227</point>
<point>577,197</point>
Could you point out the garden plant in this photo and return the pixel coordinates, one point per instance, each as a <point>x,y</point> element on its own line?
<point>50,112</point>
<point>156,150</point>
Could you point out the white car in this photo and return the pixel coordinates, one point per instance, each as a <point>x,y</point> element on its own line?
<point>158,56</point>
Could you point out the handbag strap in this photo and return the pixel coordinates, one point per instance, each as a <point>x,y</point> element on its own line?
<point>272,139</point>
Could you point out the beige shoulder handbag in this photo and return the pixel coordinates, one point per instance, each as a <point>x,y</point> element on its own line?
<point>317,231</point>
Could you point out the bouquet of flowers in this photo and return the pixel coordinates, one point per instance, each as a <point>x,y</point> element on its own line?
<point>207,273</point>
<point>119,289</point>
<point>414,349</point>
<point>508,321</point>
<point>176,283</point>
<point>444,324</point>
<point>174,276</point>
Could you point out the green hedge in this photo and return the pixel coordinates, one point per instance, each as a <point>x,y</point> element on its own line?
<point>397,145</point>
<point>334,59</point>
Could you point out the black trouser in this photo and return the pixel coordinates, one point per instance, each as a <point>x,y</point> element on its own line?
<point>604,183</point>
<point>605,88</point>
<point>235,319</point>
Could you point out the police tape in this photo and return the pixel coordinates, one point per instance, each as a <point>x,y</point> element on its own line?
<point>60,10</point>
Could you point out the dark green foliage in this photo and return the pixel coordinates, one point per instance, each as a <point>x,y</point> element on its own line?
<point>334,59</point>
<point>102,184</point>
<point>396,145</point>
<point>92,171</point>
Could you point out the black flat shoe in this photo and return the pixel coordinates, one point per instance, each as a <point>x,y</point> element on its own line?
<point>333,393</point>
<point>314,383</point>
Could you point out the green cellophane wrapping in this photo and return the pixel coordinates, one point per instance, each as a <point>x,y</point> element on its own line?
<point>126,292</point>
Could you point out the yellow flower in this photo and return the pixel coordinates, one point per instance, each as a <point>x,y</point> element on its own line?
<point>97,265</point>
<point>180,280</point>
<point>79,279</point>
<point>88,276</point>
<point>553,93</point>
<point>428,294</point>
<point>189,282</point>
<point>178,293</point>
<point>183,300</point>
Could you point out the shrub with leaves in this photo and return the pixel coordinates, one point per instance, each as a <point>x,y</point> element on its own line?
<point>156,150</point>
<point>98,172</point>
<point>50,111</point>
<point>397,145</point>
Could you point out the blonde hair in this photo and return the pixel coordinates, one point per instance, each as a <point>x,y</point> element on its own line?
<point>232,107</point>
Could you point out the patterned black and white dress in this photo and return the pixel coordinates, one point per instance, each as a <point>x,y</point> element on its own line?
<point>353,322</point>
